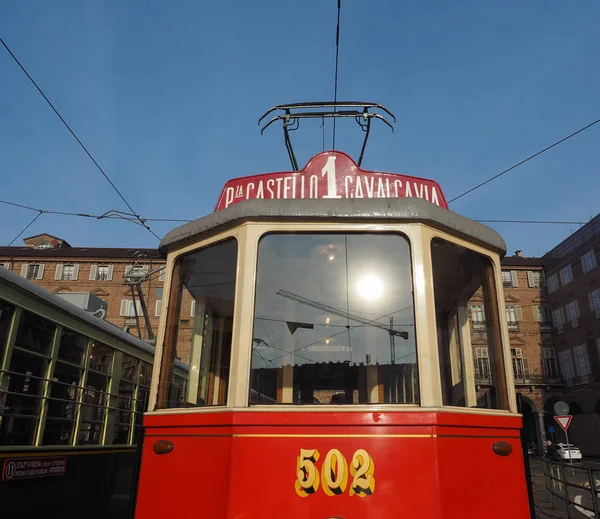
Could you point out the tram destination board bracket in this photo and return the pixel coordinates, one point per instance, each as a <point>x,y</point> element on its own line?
<point>293,113</point>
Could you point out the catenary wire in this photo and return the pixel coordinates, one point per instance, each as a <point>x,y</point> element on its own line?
<point>524,161</point>
<point>75,136</point>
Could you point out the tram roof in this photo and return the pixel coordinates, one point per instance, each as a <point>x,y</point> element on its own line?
<point>382,210</point>
<point>37,292</point>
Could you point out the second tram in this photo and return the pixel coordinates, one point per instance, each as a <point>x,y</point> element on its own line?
<point>331,371</point>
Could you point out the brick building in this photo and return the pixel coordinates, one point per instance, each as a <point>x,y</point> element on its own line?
<point>534,364</point>
<point>573,279</point>
<point>53,264</point>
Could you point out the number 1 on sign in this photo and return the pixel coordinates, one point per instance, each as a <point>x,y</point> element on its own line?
<point>329,170</point>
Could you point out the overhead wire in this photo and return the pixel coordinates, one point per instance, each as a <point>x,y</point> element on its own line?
<point>337,58</point>
<point>77,138</point>
<point>22,231</point>
<point>524,161</point>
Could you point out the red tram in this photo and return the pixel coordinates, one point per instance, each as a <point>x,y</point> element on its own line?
<point>330,366</point>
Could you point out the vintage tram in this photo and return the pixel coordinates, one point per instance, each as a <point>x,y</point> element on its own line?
<point>330,364</point>
<point>73,388</point>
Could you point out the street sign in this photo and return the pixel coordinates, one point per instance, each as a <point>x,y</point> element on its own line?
<point>551,429</point>
<point>561,408</point>
<point>564,421</point>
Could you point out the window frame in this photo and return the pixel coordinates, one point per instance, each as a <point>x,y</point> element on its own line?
<point>248,235</point>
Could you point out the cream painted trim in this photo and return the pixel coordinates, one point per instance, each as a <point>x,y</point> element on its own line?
<point>248,236</point>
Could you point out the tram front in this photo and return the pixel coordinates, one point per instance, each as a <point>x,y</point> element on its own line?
<point>330,357</point>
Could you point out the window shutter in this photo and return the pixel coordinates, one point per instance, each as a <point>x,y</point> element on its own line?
<point>525,368</point>
<point>513,275</point>
<point>157,307</point>
<point>59,269</point>
<point>110,272</point>
<point>163,274</point>
<point>518,313</point>
<point>40,272</point>
<point>127,269</point>
<point>193,312</point>
<point>93,272</point>
<point>24,269</point>
<point>536,313</point>
<point>530,280</point>
<point>124,306</point>
<point>518,353</point>
<point>6,266</point>
<point>75,272</point>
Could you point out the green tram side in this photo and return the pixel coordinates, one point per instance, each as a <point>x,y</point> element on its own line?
<point>73,389</point>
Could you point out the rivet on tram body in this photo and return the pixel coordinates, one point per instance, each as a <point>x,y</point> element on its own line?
<point>502,448</point>
<point>162,447</point>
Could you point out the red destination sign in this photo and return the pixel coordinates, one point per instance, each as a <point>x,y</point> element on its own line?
<point>28,468</point>
<point>331,174</point>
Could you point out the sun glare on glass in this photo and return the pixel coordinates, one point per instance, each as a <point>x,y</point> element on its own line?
<point>370,287</point>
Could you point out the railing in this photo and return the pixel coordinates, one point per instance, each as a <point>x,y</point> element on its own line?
<point>575,486</point>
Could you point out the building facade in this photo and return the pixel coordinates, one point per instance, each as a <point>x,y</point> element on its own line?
<point>573,279</point>
<point>534,364</point>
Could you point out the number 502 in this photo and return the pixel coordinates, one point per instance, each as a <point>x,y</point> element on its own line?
<point>334,473</point>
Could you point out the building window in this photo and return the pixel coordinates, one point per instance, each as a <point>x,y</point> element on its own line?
<point>566,275</point>
<point>513,316</point>
<point>588,261</point>
<point>535,278</point>
<point>482,365</point>
<point>101,273</point>
<point>509,278</point>
<point>582,360</point>
<point>552,283</point>
<point>520,369</point>
<point>163,273</point>
<point>558,319</point>
<point>573,313</point>
<point>594,299</point>
<point>128,309</point>
<point>32,271</point>
<point>478,317</point>
<point>550,367</point>
<point>43,245</point>
<point>157,307</point>
<point>542,315</point>
<point>566,365</point>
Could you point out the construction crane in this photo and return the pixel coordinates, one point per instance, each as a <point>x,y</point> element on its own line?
<point>335,311</point>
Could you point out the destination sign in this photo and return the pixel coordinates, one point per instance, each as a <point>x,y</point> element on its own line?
<point>331,174</point>
<point>28,468</point>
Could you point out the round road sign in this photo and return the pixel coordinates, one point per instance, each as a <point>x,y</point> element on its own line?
<point>561,408</point>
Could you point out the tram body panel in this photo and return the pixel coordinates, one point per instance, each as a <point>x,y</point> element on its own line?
<point>424,464</point>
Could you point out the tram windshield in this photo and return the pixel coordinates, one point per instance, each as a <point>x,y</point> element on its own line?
<point>334,320</point>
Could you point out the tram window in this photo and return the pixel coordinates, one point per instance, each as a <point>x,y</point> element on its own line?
<point>461,276</point>
<point>101,358</point>
<point>62,405</point>
<point>35,334</point>
<point>334,320</point>
<point>72,347</point>
<point>196,371</point>
<point>23,400</point>
<point>6,313</point>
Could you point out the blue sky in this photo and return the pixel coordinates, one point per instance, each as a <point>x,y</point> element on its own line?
<point>166,95</point>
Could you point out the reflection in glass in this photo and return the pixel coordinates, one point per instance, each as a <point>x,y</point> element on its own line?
<point>334,320</point>
<point>197,369</point>
<point>461,276</point>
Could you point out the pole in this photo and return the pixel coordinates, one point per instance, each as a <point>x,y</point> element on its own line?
<point>569,451</point>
